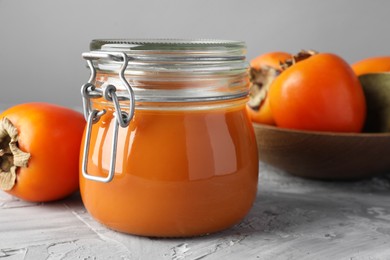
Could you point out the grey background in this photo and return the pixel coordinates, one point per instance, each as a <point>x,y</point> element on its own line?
<point>41,40</point>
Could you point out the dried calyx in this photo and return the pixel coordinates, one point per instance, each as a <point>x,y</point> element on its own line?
<point>302,55</point>
<point>11,156</point>
<point>261,80</point>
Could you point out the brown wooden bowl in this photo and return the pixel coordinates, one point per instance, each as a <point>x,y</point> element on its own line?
<point>322,155</point>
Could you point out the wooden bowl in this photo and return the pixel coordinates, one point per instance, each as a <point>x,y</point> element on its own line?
<point>321,155</point>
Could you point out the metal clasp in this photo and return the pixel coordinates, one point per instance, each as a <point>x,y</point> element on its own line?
<point>122,118</point>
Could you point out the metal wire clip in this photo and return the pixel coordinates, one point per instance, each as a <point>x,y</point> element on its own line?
<point>122,118</point>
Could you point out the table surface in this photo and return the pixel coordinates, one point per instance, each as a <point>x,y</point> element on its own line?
<point>292,218</point>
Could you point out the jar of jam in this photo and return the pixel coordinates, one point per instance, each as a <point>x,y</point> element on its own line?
<point>168,149</point>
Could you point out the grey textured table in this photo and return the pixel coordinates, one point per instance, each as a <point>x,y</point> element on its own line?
<point>292,218</point>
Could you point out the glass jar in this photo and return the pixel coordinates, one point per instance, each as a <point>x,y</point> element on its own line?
<point>169,150</point>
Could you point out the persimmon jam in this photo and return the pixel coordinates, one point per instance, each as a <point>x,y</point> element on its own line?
<point>178,173</point>
<point>169,150</point>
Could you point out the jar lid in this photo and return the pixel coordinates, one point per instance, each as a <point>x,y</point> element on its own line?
<point>156,68</point>
<point>173,55</point>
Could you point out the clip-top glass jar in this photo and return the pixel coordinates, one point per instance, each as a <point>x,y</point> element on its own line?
<point>168,149</point>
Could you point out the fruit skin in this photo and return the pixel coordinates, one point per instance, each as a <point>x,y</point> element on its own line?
<point>266,61</point>
<point>263,115</point>
<point>52,135</point>
<point>320,93</point>
<point>270,59</point>
<point>372,65</point>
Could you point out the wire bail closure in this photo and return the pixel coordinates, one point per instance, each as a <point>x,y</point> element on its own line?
<point>92,116</point>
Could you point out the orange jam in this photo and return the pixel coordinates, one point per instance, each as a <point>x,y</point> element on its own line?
<point>181,168</point>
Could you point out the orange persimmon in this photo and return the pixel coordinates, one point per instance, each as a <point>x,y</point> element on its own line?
<point>264,69</point>
<point>320,92</point>
<point>372,65</point>
<point>39,151</point>
<point>270,59</point>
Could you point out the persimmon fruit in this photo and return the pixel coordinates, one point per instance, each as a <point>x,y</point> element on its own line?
<point>264,69</point>
<point>372,65</point>
<point>270,59</point>
<point>39,151</point>
<point>319,92</point>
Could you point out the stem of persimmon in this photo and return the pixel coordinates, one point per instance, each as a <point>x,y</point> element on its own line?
<point>11,157</point>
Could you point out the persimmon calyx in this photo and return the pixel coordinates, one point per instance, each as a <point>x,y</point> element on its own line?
<point>11,156</point>
<point>302,55</point>
<point>261,80</point>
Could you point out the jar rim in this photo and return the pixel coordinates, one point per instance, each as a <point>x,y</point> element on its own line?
<point>172,47</point>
